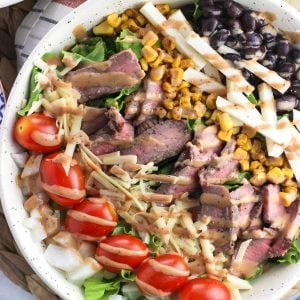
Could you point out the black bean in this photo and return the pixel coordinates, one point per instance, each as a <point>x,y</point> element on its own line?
<point>235,27</point>
<point>283,48</point>
<point>253,39</point>
<point>286,70</point>
<point>233,9</point>
<point>261,21</point>
<point>253,52</point>
<point>286,103</point>
<point>206,3</point>
<point>296,56</point>
<point>268,31</point>
<point>232,57</point>
<point>234,43</point>
<point>242,38</point>
<point>269,60</point>
<point>294,90</point>
<point>219,38</point>
<point>209,26</point>
<point>249,21</point>
<point>271,43</point>
<point>211,11</point>
<point>188,11</point>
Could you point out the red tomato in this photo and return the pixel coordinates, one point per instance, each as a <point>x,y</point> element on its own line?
<point>38,133</point>
<point>204,289</point>
<point>92,219</point>
<point>121,251</point>
<point>66,190</point>
<point>162,275</point>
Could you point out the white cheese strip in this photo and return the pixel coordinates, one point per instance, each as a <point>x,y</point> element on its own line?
<point>205,83</point>
<point>219,62</point>
<point>267,75</point>
<point>268,112</point>
<point>158,20</point>
<point>248,117</point>
<point>296,118</point>
<point>178,20</point>
<point>212,72</point>
<point>239,283</point>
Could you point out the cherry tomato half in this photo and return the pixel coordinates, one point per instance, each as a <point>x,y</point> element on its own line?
<point>204,289</point>
<point>162,275</point>
<point>121,251</point>
<point>93,218</point>
<point>38,133</point>
<point>65,190</point>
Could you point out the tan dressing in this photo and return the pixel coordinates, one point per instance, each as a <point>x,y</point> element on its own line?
<point>62,191</point>
<point>293,36</point>
<point>246,267</point>
<point>167,270</point>
<point>58,111</point>
<point>45,139</point>
<point>176,24</point>
<point>80,32</point>
<point>149,290</point>
<point>53,60</point>
<point>268,16</point>
<point>83,217</point>
<point>62,159</point>
<point>123,251</point>
<point>108,262</point>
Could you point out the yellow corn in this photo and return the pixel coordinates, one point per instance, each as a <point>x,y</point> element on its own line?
<point>290,182</point>
<point>177,113</point>
<point>200,109</point>
<point>124,18</point>
<point>276,176</point>
<point>176,76</point>
<point>177,61</point>
<point>255,165</point>
<point>130,24</point>
<point>208,114</point>
<point>103,29</point>
<point>288,173</point>
<point>225,121</point>
<point>131,13</point>
<point>168,58</point>
<point>169,43</point>
<point>168,104</point>
<point>245,166</point>
<point>114,20</point>
<point>183,85</point>
<point>244,142</point>
<point>157,73</point>
<point>258,179</point>
<point>187,63</point>
<point>185,92</point>
<point>225,135</point>
<point>185,102</point>
<point>260,156</point>
<point>159,59</point>
<point>144,64</point>
<point>211,101</point>
<point>196,97</point>
<point>196,90</point>
<point>236,130</point>
<point>141,19</point>
<point>163,8</point>
<point>274,161</point>
<point>167,87</point>
<point>215,115</point>
<point>160,112</point>
<point>288,196</point>
<point>150,38</point>
<point>256,146</point>
<point>249,131</point>
<point>241,154</point>
<point>171,95</point>
<point>149,54</point>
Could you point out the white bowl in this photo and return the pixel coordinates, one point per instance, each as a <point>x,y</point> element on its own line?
<point>271,285</point>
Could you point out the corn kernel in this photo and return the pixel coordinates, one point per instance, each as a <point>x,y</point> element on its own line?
<point>141,19</point>
<point>288,173</point>
<point>225,135</point>
<point>245,165</point>
<point>215,115</point>
<point>195,89</point>
<point>163,8</point>
<point>159,59</point>
<point>169,115</point>
<point>171,95</point>
<point>131,13</point>
<point>236,130</point>
<point>187,63</point>
<point>183,85</point>
<point>196,97</point>
<point>258,179</point>
<point>260,156</point>
<point>149,54</point>
<point>150,38</point>
<point>208,114</point>
<point>185,92</point>
<point>144,64</point>
<point>288,196</point>
<point>275,176</point>
<point>225,122</point>
<point>211,101</point>
<point>177,61</point>
<point>274,161</point>
<point>167,87</point>
<point>169,43</point>
<point>255,165</point>
<point>168,58</point>
<point>200,109</point>
<point>176,76</point>
<point>176,113</point>
<point>185,102</point>
<point>103,29</point>
<point>168,104</point>
<point>249,131</point>
<point>157,73</point>
<point>241,154</point>
<point>160,112</point>
<point>256,146</point>
<point>124,18</point>
<point>242,139</point>
<point>130,24</point>
<point>114,20</point>
<point>290,182</point>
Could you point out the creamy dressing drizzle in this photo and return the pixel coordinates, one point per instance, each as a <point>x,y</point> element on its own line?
<point>108,262</point>
<point>167,270</point>
<point>62,191</point>
<point>123,251</point>
<point>45,139</point>
<point>150,290</point>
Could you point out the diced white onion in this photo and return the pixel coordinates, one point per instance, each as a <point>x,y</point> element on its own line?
<point>32,165</point>
<point>242,250</point>
<point>185,27</point>
<point>20,159</point>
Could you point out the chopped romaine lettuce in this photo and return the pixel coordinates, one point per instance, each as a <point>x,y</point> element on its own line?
<point>124,228</point>
<point>127,275</point>
<point>197,12</point>
<point>193,124</point>
<point>34,92</point>
<point>132,292</point>
<point>155,243</point>
<point>252,99</point>
<point>94,289</point>
<point>128,40</point>
<point>236,183</point>
<point>292,256</point>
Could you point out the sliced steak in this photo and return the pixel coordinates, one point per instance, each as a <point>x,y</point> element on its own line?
<point>133,105</point>
<point>283,243</point>
<point>113,135</point>
<point>244,194</point>
<point>274,211</point>
<point>94,119</point>
<point>165,139</point>
<point>256,216</point>
<point>147,124</point>
<point>122,70</point>
<point>255,254</point>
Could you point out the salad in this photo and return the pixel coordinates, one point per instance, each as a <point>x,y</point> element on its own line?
<point>162,152</point>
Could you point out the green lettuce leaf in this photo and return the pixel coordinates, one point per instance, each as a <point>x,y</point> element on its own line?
<point>128,40</point>
<point>97,290</point>
<point>292,256</point>
<point>252,99</point>
<point>155,243</point>
<point>127,275</point>
<point>34,92</point>
<point>193,124</point>
<point>197,12</point>
<point>259,272</point>
<point>124,228</point>
<point>236,183</point>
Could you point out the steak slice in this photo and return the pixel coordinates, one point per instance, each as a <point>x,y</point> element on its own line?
<point>122,70</point>
<point>113,135</point>
<point>284,241</point>
<point>165,139</point>
<point>133,104</point>
<point>94,119</point>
